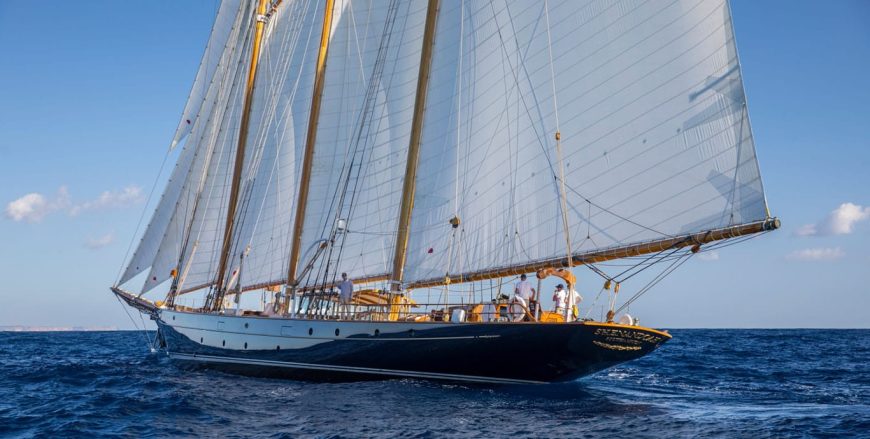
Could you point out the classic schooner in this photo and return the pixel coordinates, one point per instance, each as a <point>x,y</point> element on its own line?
<point>433,152</point>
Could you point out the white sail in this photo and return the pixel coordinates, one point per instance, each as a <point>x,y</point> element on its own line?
<point>226,22</point>
<point>362,137</point>
<point>279,118</point>
<point>196,220</point>
<point>219,60</point>
<point>149,244</point>
<point>653,123</point>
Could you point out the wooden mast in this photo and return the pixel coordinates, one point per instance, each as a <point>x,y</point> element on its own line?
<point>240,153</point>
<point>410,183</point>
<point>311,138</point>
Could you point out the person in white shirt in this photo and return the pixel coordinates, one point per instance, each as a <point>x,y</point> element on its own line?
<point>345,289</point>
<point>560,299</point>
<point>566,302</point>
<point>523,292</point>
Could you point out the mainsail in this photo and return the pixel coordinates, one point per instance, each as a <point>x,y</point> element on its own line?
<point>653,124</point>
<point>657,146</point>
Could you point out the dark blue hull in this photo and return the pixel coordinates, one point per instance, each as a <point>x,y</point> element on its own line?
<point>493,353</point>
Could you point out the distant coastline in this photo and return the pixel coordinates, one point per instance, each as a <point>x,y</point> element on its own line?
<point>23,328</point>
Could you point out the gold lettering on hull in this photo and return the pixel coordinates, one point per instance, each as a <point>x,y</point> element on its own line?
<point>614,347</point>
<point>619,339</point>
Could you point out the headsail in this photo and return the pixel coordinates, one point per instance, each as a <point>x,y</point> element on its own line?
<point>160,247</point>
<point>210,68</point>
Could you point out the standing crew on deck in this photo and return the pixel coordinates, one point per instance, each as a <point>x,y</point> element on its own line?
<point>346,294</point>
<point>523,291</point>
<point>560,299</point>
<point>567,303</point>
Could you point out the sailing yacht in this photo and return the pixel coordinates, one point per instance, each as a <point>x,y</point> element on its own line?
<point>434,152</point>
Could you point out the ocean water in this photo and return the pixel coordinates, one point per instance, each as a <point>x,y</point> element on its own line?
<point>704,383</point>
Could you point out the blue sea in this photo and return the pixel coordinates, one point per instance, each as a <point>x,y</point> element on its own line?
<point>704,383</point>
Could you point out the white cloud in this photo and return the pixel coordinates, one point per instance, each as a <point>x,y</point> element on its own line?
<point>33,207</point>
<point>100,241</point>
<point>711,255</point>
<point>841,221</point>
<point>108,199</point>
<point>816,254</point>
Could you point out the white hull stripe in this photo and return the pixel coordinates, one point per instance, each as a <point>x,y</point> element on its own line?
<point>352,369</point>
<point>309,337</point>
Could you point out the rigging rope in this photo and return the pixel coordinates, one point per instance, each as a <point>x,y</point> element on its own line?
<point>133,321</point>
<point>667,271</point>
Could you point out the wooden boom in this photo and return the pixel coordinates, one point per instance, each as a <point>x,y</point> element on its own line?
<point>608,254</point>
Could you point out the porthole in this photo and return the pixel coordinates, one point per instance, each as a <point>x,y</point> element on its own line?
<point>336,332</point>
<point>173,317</point>
<point>224,343</point>
<point>200,339</point>
<point>310,331</point>
<point>246,345</point>
<point>377,332</point>
<point>246,325</point>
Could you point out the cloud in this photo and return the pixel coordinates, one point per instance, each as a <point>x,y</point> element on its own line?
<point>816,254</point>
<point>33,207</point>
<point>101,241</point>
<point>711,255</point>
<point>128,196</point>
<point>841,221</point>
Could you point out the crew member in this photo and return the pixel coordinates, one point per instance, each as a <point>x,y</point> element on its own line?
<point>523,292</point>
<point>566,303</point>
<point>345,289</point>
<point>560,299</point>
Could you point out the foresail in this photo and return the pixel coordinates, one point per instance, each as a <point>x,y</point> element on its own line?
<point>362,138</point>
<point>653,124</point>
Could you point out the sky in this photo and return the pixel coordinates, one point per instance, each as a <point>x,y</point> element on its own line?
<point>91,93</point>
